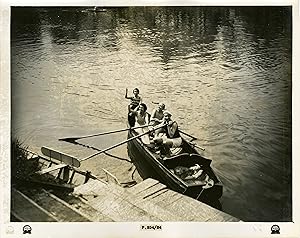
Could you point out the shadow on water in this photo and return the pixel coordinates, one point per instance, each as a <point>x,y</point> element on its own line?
<point>97,149</point>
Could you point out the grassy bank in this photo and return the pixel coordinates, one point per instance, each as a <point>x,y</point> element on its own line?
<point>21,167</point>
<point>24,168</point>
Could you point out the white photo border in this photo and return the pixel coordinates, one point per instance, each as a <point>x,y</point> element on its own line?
<point>133,229</point>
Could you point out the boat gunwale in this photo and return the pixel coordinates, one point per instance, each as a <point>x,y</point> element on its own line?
<point>160,165</point>
<point>173,176</point>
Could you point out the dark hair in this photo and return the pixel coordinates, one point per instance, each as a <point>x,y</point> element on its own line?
<point>136,90</point>
<point>144,106</point>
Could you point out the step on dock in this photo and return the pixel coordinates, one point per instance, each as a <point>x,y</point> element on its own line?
<point>147,201</point>
<point>120,205</point>
<point>99,201</point>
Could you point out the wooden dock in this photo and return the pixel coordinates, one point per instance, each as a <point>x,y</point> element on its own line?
<point>96,200</point>
<point>102,202</point>
<point>147,201</point>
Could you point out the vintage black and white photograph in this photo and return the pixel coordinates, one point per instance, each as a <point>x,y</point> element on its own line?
<point>151,114</point>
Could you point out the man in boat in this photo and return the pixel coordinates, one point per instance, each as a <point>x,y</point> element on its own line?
<point>168,136</point>
<point>157,114</point>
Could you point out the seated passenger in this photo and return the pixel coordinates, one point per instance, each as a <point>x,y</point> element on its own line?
<point>142,118</point>
<point>168,136</point>
<point>157,114</point>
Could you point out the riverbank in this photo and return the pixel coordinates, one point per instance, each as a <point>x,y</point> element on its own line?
<point>51,196</point>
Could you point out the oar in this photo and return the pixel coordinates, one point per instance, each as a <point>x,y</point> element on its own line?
<point>195,145</point>
<point>121,143</point>
<point>73,139</point>
<point>193,137</point>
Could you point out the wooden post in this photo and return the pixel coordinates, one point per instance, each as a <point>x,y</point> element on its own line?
<point>72,176</point>
<point>59,173</point>
<point>66,174</point>
<point>87,176</point>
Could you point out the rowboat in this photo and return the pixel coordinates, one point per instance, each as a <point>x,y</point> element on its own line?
<point>179,171</point>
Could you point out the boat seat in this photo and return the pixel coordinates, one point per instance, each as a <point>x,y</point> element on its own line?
<point>52,168</point>
<point>175,151</point>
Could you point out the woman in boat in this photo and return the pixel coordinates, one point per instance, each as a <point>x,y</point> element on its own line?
<point>168,136</point>
<point>136,99</point>
<point>157,114</point>
<point>141,119</point>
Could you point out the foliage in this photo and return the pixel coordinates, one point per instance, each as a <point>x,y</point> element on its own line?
<point>21,166</point>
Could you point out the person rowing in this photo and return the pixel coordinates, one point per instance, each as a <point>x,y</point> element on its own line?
<point>168,136</point>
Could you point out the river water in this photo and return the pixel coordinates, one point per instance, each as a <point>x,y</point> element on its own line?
<point>223,72</point>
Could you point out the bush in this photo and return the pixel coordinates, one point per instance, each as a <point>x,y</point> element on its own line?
<point>21,167</point>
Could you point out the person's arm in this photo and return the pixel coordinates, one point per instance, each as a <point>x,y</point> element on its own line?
<point>152,117</point>
<point>134,111</point>
<point>126,94</point>
<point>172,127</point>
<point>161,129</point>
<point>147,118</point>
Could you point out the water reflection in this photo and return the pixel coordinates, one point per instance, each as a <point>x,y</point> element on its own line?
<point>225,72</point>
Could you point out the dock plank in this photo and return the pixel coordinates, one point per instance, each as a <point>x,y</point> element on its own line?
<point>193,210</point>
<point>151,197</point>
<point>151,190</point>
<point>24,209</point>
<point>166,198</point>
<point>139,201</point>
<point>157,211</point>
<point>118,209</point>
<point>143,185</point>
<point>188,213</point>
<point>91,187</point>
<point>93,214</point>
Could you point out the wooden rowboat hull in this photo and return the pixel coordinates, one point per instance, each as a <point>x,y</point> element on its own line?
<point>149,165</point>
